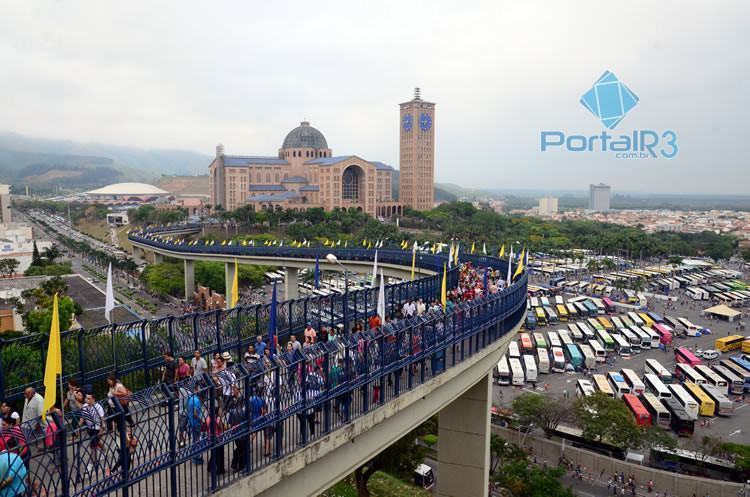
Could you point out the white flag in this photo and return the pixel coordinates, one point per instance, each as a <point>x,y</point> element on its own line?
<point>109,299</point>
<point>484,248</point>
<point>381,299</point>
<point>375,270</point>
<point>510,262</point>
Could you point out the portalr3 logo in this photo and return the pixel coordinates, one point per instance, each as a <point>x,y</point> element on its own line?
<point>610,101</point>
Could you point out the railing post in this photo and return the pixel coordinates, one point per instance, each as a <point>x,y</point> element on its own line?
<point>124,449</point>
<point>277,412</point>
<point>172,433</point>
<point>366,369</point>
<point>63,448</point>
<point>217,328</point>
<point>410,365</point>
<point>144,351</point>
<point>248,411</point>
<point>327,382</point>
<point>381,368</point>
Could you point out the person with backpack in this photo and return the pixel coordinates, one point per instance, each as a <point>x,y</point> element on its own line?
<point>122,393</point>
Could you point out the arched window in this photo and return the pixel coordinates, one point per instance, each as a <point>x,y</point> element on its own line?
<point>268,178</point>
<point>277,177</point>
<point>350,183</point>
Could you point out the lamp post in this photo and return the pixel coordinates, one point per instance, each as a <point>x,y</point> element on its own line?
<point>334,260</point>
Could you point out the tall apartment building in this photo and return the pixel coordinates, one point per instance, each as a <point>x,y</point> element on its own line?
<point>599,196</point>
<point>417,153</point>
<point>547,206</point>
<point>5,213</point>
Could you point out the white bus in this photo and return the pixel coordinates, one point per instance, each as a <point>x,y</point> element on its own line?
<point>559,300</point>
<point>599,352</point>
<point>654,367</point>
<point>655,386</point>
<point>575,332</point>
<point>622,346</point>
<point>584,388</point>
<point>653,335</point>
<point>685,399</point>
<point>545,302</point>
<point>736,384</point>
<point>659,414</point>
<point>530,366</point>
<point>587,331</point>
<point>516,371</point>
<point>711,377</point>
<point>686,372</point>
<point>636,385</point>
<point>635,318</point>
<point>542,360</point>
<point>513,350</point>
<point>616,322</point>
<point>564,337</point>
<point>619,385</point>
<point>645,338</point>
<point>633,340</point>
<point>724,405</point>
<point>503,372</point>
<point>554,339</point>
<point>589,358</point>
<point>558,360</point>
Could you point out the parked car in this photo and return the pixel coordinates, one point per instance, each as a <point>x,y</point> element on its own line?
<point>708,354</point>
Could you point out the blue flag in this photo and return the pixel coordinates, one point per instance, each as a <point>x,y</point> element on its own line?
<point>317,272</point>
<point>272,322</point>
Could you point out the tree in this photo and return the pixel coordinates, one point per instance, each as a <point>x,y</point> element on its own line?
<point>51,253</point>
<point>40,319</point>
<point>8,266</point>
<point>521,477</point>
<point>652,436</point>
<point>604,419</point>
<point>705,447</point>
<point>36,259</point>
<point>593,265</point>
<point>544,412</point>
<point>400,458</point>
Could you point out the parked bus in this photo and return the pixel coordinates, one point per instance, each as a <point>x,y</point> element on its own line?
<point>588,333</point>
<point>574,355</point>
<point>684,356</point>
<point>675,324</point>
<point>724,405</point>
<point>682,423</point>
<point>606,323</point>
<point>502,373</point>
<point>559,300</point>
<point>656,387</point>
<point>575,332</point>
<point>564,337</point>
<point>562,312</point>
<point>609,305</point>
<point>606,340</point>
<point>524,341</point>
<point>656,318</point>
<point>691,329</point>
<point>685,399</point>
<point>531,320</point>
<point>645,337</point>
<point>618,384</point>
<point>558,360</point>
<point>706,406</point>
<point>589,358</point>
<point>541,317</point>
<point>635,318</point>
<point>595,324</point>
<point>712,378</point>
<point>647,321</point>
<point>539,340</point>
<point>633,339</point>
<point>654,337</point>
<point>534,301</point>
<point>602,385</point>
<point>727,344</point>
<point>622,347</point>
<point>686,372</point>
<point>738,370</point>
<point>583,311</point>
<point>626,321</point>
<point>665,333</point>
<point>641,414</point>
<point>545,302</point>
<point>584,388</point>
<point>516,372</point>
<point>636,385</point>
<point>572,311</point>
<point>617,323</point>
<point>554,339</point>
<point>600,309</point>
<point>655,367</point>
<point>599,352</point>
<point>593,310</point>
<point>659,414</point>
<point>746,346</point>
<point>736,384</point>
<point>542,356</point>
<point>529,364</point>
<point>551,315</point>
<point>741,362</point>
<point>513,351</point>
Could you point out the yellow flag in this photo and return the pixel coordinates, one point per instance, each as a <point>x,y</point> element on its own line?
<point>235,286</point>
<point>54,360</point>
<point>472,247</point>
<point>413,260</point>
<point>443,289</point>
<point>455,255</point>
<point>519,267</point>
<point>502,251</point>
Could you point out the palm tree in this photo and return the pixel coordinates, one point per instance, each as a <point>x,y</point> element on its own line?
<point>593,265</point>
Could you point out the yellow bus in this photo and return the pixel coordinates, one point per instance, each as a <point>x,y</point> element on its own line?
<point>646,319</point>
<point>602,385</point>
<point>562,312</point>
<point>541,317</point>
<point>746,346</point>
<point>732,342</point>
<point>706,405</point>
<point>606,323</point>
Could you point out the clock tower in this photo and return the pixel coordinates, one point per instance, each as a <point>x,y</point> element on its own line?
<point>417,153</point>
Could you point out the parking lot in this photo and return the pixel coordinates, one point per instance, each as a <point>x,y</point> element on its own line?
<point>735,428</point>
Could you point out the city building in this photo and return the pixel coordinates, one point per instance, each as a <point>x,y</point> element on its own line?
<point>17,242</point>
<point>304,174</point>
<point>5,213</point>
<point>417,153</point>
<point>547,206</point>
<point>599,197</point>
<point>119,218</point>
<point>127,193</point>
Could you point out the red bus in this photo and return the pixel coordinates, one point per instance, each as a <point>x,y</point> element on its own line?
<point>641,414</point>
<point>526,344</point>
<point>683,355</point>
<point>665,336</point>
<point>609,306</point>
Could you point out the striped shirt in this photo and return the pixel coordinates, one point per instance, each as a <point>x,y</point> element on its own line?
<point>93,415</point>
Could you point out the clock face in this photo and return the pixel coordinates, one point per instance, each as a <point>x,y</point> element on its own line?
<point>407,122</point>
<point>425,121</point>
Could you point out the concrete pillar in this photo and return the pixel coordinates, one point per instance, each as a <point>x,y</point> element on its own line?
<point>228,280</point>
<point>291,283</point>
<point>138,255</point>
<point>158,258</point>
<point>189,279</point>
<point>464,443</point>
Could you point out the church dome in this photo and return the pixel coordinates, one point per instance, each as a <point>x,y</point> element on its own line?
<point>305,136</point>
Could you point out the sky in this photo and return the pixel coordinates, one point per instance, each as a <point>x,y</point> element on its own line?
<point>189,75</point>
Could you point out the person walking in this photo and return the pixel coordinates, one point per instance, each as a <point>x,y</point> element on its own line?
<point>198,364</point>
<point>92,416</point>
<point>32,416</point>
<point>169,375</point>
<point>122,393</point>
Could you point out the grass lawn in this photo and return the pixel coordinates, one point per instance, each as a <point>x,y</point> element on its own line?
<point>380,485</point>
<point>93,228</point>
<point>122,237</point>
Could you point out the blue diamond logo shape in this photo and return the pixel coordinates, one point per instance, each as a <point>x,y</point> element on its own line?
<point>609,100</point>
